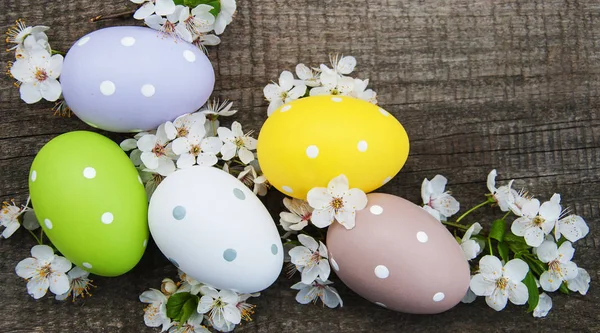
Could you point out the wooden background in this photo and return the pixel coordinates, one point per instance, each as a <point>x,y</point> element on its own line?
<point>478,84</point>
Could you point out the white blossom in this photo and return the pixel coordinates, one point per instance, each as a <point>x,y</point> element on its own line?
<point>310,259</point>
<point>337,202</point>
<point>581,282</point>
<point>298,216</point>
<point>537,221</point>
<point>560,266</point>
<point>435,196</point>
<point>286,91</point>
<point>149,7</point>
<point>471,248</point>
<point>318,289</point>
<point>155,314</point>
<point>225,16</point>
<point>45,270</point>
<point>499,284</point>
<point>220,306</point>
<point>38,74</point>
<point>235,142</point>
<point>543,307</point>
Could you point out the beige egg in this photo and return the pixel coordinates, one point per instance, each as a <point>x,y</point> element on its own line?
<point>399,257</point>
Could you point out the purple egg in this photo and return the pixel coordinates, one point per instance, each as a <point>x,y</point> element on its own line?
<point>131,79</point>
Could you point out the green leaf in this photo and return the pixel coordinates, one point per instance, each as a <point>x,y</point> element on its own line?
<point>179,2</point>
<point>564,289</point>
<point>532,289</point>
<point>503,251</point>
<point>175,305</point>
<point>498,230</point>
<point>189,308</point>
<point>216,5</point>
<point>535,264</point>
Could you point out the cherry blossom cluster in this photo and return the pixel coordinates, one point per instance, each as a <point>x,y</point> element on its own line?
<point>533,251</point>
<point>197,139</point>
<point>318,81</point>
<point>194,21</point>
<point>337,203</point>
<point>36,67</point>
<point>44,269</point>
<point>189,306</point>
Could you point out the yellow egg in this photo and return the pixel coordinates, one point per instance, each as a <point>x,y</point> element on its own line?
<point>308,142</point>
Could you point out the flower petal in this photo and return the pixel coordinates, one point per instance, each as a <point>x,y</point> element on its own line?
<point>497,300</point>
<point>517,293</point>
<point>547,251</point>
<point>309,242</point>
<point>42,252</point>
<point>566,252</point>
<point>534,236</point>
<point>338,186</point>
<point>30,93</point>
<point>60,264</point>
<point>482,286</point>
<point>38,287</point>
<point>306,295</point>
<point>59,283</point>
<point>232,314</point>
<point>355,199</point>
<point>520,225</point>
<point>516,270</point>
<point>543,307</point>
<point>490,267</point>
<point>205,304</point>
<point>245,155</point>
<point>165,7</point>
<point>549,281</point>
<point>322,218</point>
<point>27,268</point>
<point>581,282</point>
<point>144,11</point>
<point>286,80</point>
<point>319,198</point>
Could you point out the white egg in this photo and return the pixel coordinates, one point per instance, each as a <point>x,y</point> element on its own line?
<point>213,228</point>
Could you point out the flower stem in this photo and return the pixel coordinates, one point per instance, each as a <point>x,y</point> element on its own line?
<point>41,235</point>
<point>490,246</point>
<point>455,225</point>
<point>506,215</point>
<point>487,202</point>
<point>112,16</point>
<point>35,237</point>
<point>57,52</point>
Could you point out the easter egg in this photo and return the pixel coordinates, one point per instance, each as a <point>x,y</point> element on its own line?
<point>90,202</point>
<point>399,257</point>
<point>129,79</point>
<point>308,142</point>
<point>213,228</point>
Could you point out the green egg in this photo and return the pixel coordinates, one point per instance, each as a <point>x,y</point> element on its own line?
<point>90,201</point>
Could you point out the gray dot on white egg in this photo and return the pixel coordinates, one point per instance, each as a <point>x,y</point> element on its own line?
<point>174,262</point>
<point>239,194</point>
<point>229,255</point>
<point>179,212</point>
<point>274,249</point>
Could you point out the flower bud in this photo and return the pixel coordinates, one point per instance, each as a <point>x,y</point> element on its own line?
<point>168,286</point>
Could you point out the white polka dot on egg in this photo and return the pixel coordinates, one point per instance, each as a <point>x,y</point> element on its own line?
<point>107,88</point>
<point>189,56</point>
<point>386,180</point>
<point>362,146</point>
<point>438,297</point>
<point>422,237</point>
<point>382,272</point>
<point>286,108</point>
<point>48,223</point>
<point>336,99</point>
<point>287,189</point>
<point>107,218</point>
<point>89,173</point>
<point>334,264</point>
<point>381,304</point>
<point>127,41</point>
<point>312,151</point>
<point>383,112</point>
<point>82,41</point>
<point>145,243</point>
<point>148,90</point>
<point>87,265</point>
<point>376,210</point>
<point>140,180</point>
<point>33,176</point>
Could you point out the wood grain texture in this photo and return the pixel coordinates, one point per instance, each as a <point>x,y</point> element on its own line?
<point>478,84</point>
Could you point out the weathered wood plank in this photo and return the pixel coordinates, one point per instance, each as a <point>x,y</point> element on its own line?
<point>513,85</point>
